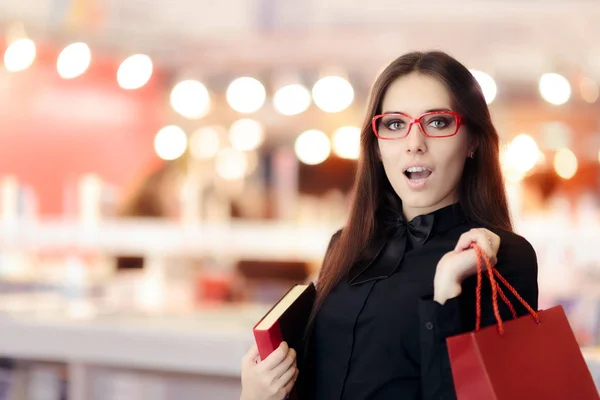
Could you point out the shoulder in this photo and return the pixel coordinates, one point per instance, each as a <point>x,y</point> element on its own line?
<point>513,242</point>
<point>516,252</point>
<point>515,255</point>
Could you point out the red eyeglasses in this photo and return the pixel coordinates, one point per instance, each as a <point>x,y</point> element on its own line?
<point>435,124</point>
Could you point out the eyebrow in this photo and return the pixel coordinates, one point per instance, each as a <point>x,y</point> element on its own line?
<point>427,111</point>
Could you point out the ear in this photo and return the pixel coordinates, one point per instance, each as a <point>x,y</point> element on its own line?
<point>472,149</point>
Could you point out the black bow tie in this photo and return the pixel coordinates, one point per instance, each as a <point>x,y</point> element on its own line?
<point>418,229</point>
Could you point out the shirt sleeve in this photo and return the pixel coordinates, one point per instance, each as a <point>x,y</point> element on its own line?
<point>517,263</point>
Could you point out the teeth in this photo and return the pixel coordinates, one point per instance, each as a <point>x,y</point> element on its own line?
<point>417,169</point>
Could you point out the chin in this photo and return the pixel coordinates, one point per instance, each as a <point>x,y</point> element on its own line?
<point>419,200</point>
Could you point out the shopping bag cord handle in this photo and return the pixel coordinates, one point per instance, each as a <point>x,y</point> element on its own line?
<point>496,289</point>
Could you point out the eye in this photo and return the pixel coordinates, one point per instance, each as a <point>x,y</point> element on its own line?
<point>439,123</point>
<point>394,125</point>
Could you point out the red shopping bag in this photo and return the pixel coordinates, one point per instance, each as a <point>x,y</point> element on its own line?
<point>530,358</point>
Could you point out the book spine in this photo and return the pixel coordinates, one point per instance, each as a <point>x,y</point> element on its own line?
<point>268,341</point>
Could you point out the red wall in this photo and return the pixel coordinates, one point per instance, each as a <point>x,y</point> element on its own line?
<point>54,130</point>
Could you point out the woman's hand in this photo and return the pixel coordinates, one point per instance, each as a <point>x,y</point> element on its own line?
<point>270,379</point>
<point>461,262</point>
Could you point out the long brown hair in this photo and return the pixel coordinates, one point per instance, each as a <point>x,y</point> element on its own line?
<point>481,192</point>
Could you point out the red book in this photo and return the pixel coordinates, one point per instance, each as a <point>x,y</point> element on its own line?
<point>285,321</point>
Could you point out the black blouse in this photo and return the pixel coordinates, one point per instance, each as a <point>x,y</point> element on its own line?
<point>380,335</point>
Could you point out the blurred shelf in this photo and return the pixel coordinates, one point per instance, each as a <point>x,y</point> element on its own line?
<point>264,240</point>
<point>209,343</point>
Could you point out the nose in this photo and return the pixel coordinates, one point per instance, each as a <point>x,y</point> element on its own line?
<point>416,141</point>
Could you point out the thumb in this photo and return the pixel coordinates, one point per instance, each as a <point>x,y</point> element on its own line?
<point>463,245</point>
<point>252,354</point>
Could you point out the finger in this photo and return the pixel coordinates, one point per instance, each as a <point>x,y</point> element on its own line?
<point>465,240</point>
<point>289,379</point>
<point>480,236</point>
<point>492,244</point>
<point>286,364</point>
<point>251,354</point>
<point>495,247</point>
<point>276,357</point>
<point>486,240</point>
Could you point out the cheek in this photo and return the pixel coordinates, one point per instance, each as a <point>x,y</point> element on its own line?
<point>390,153</point>
<point>389,149</point>
<point>451,159</point>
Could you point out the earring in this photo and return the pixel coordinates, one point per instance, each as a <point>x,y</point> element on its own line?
<point>472,154</point>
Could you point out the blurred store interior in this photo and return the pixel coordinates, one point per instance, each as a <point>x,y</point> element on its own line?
<point>168,169</point>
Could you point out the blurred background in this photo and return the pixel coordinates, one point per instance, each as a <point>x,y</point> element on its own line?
<point>168,169</point>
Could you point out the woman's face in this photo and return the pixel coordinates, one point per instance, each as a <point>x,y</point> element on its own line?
<point>424,171</point>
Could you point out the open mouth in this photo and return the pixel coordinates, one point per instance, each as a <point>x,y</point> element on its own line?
<point>417,173</point>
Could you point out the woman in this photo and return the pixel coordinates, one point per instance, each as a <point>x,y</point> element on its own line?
<point>399,278</point>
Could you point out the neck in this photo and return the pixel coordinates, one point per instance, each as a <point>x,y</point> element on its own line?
<point>412,212</point>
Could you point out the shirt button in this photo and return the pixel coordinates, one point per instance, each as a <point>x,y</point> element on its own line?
<point>429,326</point>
